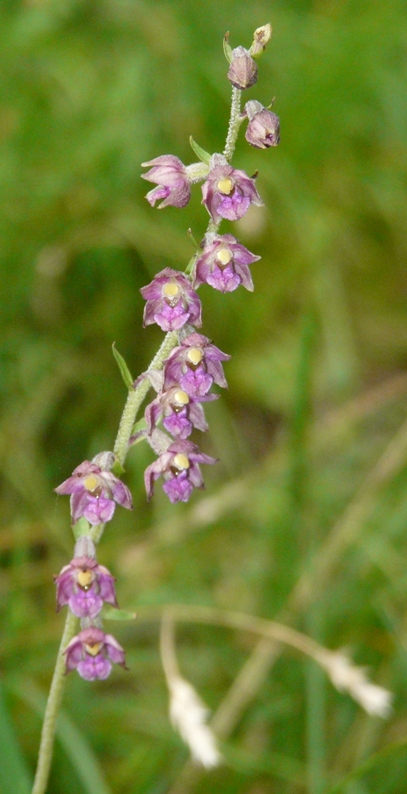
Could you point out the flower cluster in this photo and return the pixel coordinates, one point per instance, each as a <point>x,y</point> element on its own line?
<point>172,302</point>
<point>184,379</point>
<point>83,585</point>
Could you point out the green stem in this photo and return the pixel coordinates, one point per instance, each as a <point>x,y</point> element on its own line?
<point>234,124</point>
<point>128,418</point>
<point>51,711</point>
<point>136,397</point>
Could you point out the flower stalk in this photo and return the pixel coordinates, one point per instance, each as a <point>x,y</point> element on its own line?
<point>94,487</point>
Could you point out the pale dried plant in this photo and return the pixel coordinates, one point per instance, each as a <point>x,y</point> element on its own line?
<point>347,677</point>
<point>188,713</point>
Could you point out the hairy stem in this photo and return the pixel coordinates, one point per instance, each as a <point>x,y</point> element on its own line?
<point>234,124</point>
<point>121,446</point>
<point>51,711</point>
<point>136,397</point>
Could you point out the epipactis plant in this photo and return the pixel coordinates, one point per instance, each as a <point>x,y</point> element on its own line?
<point>182,374</point>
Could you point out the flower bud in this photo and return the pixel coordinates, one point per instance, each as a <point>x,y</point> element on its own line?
<point>243,70</point>
<point>263,129</point>
<point>261,37</point>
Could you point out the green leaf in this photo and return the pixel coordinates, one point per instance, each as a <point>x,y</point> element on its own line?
<point>125,372</point>
<point>227,49</point>
<point>110,613</point>
<point>14,776</point>
<point>201,153</point>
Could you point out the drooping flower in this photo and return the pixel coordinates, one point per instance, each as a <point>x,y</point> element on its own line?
<point>228,192</point>
<point>171,178</point>
<point>179,466</point>
<point>243,69</point>
<point>92,652</point>
<point>195,365</point>
<point>85,586</point>
<point>171,301</point>
<point>95,490</point>
<point>224,264</point>
<point>263,129</point>
<point>180,412</point>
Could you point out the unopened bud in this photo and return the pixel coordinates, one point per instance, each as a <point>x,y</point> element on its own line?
<point>243,70</point>
<point>260,38</point>
<point>263,129</point>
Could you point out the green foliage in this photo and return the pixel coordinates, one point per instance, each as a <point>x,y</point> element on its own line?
<point>304,518</point>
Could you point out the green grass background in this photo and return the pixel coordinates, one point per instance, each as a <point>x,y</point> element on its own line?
<point>311,435</point>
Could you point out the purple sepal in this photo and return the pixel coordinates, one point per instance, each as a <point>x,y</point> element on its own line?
<point>243,69</point>
<point>195,365</point>
<point>223,264</point>
<point>91,652</point>
<point>171,177</point>
<point>85,586</point>
<point>171,301</point>
<point>94,491</point>
<point>228,192</point>
<point>179,466</point>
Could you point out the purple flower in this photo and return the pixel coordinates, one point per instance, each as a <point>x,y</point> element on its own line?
<point>180,412</point>
<point>85,586</point>
<point>92,652</point>
<point>263,129</point>
<point>224,264</point>
<point>195,365</point>
<point>94,490</point>
<point>171,301</point>
<point>179,466</point>
<point>171,177</point>
<point>228,192</point>
<point>243,69</point>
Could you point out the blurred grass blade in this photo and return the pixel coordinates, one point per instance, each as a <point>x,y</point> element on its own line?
<point>369,765</point>
<point>73,741</point>
<point>14,776</point>
<point>110,613</point>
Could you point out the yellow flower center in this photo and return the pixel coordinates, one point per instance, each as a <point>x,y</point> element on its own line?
<point>181,461</point>
<point>93,649</point>
<point>195,356</point>
<point>225,186</point>
<point>181,397</point>
<point>84,578</point>
<point>171,290</point>
<point>224,257</point>
<point>91,482</point>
